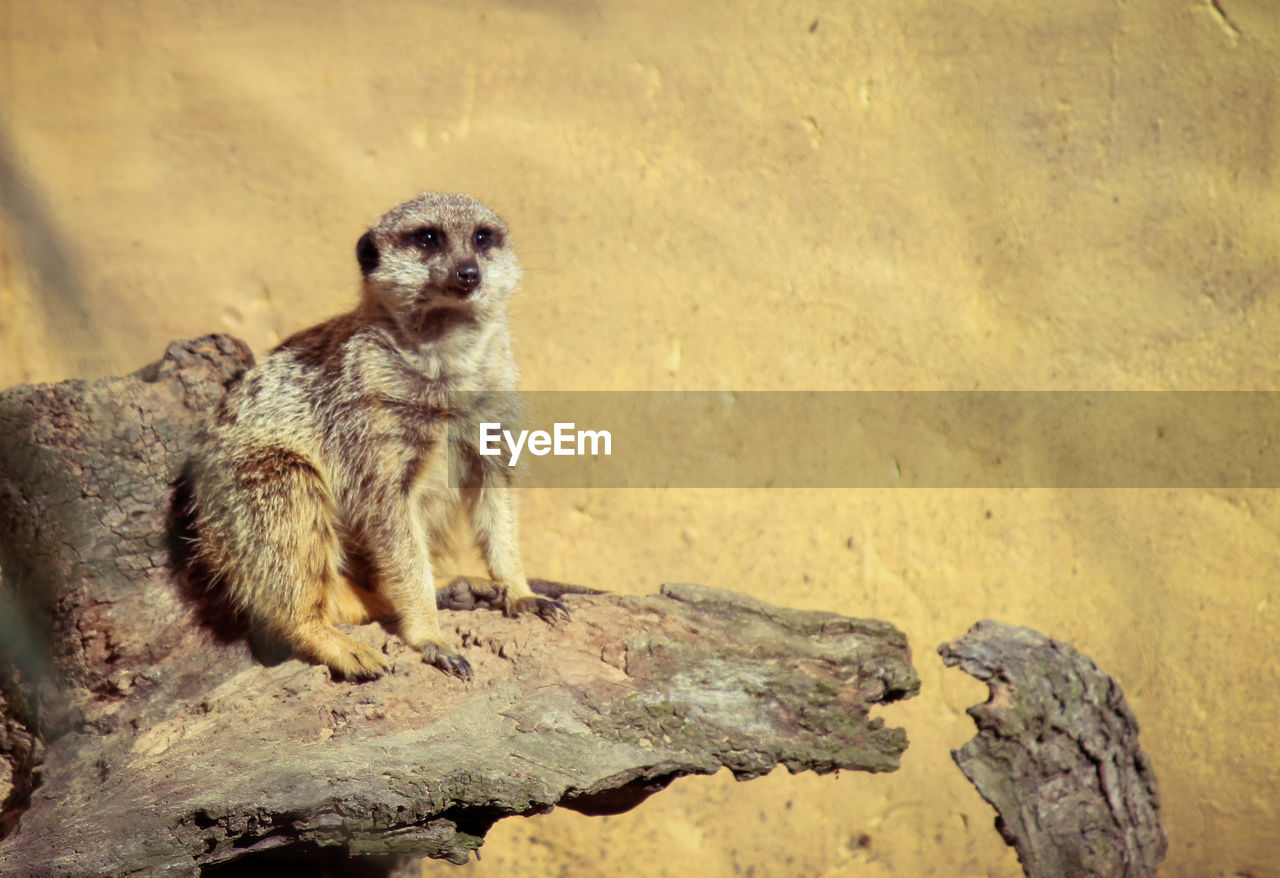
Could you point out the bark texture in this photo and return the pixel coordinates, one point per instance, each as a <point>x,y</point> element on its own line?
<point>1057,756</point>
<point>139,734</point>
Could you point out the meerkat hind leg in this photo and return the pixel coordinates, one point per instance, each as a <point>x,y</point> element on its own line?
<point>341,652</point>
<point>321,599</point>
<point>287,574</point>
<point>327,598</point>
<point>465,593</point>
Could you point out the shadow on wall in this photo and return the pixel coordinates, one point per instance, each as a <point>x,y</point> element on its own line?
<point>60,299</point>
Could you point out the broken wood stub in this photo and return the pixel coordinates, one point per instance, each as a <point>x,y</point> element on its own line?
<point>1057,756</point>
<point>86,480</point>
<point>87,470</point>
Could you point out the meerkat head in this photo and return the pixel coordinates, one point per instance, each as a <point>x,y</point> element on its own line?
<point>437,252</point>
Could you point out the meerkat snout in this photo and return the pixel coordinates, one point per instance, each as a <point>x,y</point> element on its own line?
<point>466,277</point>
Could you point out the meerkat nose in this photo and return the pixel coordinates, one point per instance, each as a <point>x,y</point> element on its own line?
<point>466,277</point>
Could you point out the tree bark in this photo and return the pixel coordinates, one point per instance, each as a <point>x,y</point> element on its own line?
<point>1057,755</point>
<point>139,734</point>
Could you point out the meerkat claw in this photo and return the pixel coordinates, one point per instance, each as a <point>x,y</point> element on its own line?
<point>458,666</point>
<point>359,663</point>
<point>546,608</point>
<point>363,675</point>
<point>449,662</point>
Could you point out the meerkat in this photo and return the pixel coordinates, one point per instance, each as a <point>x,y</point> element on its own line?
<point>351,446</point>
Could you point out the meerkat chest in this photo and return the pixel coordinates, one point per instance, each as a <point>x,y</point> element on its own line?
<point>413,416</point>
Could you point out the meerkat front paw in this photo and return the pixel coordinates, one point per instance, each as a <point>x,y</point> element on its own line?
<point>514,604</point>
<point>438,654</point>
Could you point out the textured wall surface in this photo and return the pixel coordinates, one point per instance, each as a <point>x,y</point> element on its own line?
<point>796,196</point>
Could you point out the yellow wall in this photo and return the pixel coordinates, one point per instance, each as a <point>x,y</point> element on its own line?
<point>821,195</point>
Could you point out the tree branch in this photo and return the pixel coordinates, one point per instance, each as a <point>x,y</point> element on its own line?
<point>139,734</point>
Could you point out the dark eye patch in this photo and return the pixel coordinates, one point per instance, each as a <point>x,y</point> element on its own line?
<point>486,238</point>
<point>428,239</point>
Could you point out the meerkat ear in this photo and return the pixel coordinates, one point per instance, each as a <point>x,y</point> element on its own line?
<point>367,253</point>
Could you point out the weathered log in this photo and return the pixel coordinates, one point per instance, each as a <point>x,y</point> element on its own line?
<point>1057,756</point>
<point>140,734</point>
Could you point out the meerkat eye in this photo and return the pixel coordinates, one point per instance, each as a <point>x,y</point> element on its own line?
<point>426,238</point>
<point>485,238</point>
